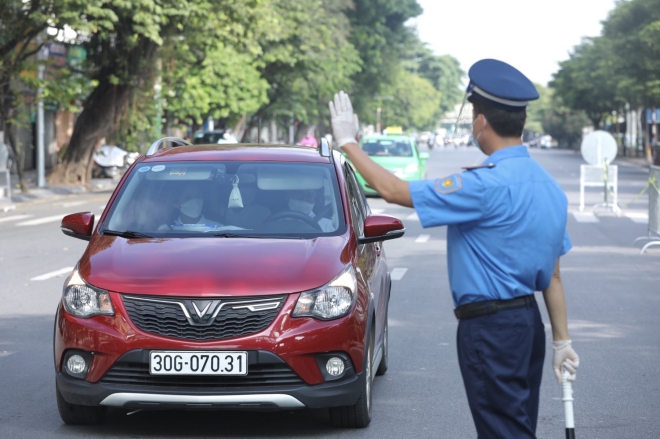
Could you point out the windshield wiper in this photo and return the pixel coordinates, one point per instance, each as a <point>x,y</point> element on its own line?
<point>128,234</point>
<point>235,235</point>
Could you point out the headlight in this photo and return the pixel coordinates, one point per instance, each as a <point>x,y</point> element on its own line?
<point>331,301</point>
<point>413,167</point>
<point>83,300</point>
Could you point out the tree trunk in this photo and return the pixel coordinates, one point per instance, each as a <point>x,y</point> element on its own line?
<point>17,157</point>
<point>101,111</point>
<point>6,110</point>
<point>95,121</point>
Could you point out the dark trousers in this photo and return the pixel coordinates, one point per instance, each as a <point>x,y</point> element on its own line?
<point>501,358</point>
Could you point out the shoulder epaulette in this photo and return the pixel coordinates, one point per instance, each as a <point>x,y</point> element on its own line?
<point>472,168</point>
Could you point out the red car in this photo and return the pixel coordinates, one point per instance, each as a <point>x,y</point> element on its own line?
<point>230,277</point>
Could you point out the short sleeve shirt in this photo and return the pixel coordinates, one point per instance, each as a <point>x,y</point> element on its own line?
<point>506,226</point>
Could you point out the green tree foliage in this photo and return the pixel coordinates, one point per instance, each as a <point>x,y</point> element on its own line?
<point>564,124</point>
<point>415,102</point>
<point>586,80</point>
<point>307,59</point>
<point>22,33</point>
<point>620,66</point>
<point>380,36</point>
<point>538,109</point>
<point>444,72</point>
<point>633,30</point>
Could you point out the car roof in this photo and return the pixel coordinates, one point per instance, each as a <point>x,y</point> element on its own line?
<point>238,152</point>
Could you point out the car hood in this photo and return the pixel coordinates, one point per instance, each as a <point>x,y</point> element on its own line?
<point>201,267</point>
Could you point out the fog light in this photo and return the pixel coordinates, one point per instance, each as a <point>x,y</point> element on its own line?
<point>335,366</point>
<point>76,364</point>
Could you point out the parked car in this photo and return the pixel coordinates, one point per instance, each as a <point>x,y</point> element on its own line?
<point>227,277</point>
<point>398,154</point>
<point>215,136</point>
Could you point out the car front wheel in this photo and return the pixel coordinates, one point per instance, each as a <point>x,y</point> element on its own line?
<point>358,415</point>
<point>75,414</point>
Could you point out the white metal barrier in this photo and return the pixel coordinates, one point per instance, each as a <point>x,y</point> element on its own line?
<point>654,210</point>
<point>606,177</point>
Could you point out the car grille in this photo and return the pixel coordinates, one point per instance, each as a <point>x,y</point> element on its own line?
<point>259,375</point>
<point>236,317</point>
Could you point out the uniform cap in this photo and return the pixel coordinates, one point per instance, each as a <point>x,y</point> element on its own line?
<point>500,85</point>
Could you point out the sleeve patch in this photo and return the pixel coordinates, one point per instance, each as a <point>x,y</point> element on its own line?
<point>449,184</point>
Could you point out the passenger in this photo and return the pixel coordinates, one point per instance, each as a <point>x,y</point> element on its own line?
<point>190,203</point>
<point>303,201</point>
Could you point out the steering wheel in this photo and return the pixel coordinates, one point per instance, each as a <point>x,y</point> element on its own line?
<point>295,215</point>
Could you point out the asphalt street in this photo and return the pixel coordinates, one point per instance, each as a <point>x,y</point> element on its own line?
<point>613,296</point>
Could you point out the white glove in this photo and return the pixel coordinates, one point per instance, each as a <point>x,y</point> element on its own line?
<point>345,124</point>
<point>565,357</point>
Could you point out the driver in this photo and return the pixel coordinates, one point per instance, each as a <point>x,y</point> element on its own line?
<point>190,202</point>
<point>303,201</point>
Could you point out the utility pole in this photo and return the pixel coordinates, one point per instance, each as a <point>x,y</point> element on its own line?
<point>42,55</point>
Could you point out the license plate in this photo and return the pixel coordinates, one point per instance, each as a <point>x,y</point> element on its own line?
<point>198,363</point>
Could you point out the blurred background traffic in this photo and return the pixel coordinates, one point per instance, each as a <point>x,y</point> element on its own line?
<point>85,86</point>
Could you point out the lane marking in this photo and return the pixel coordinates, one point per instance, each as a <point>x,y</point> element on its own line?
<point>638,217</point>
<point>585,217</point>
<point>398,273</point>
<point>53,274</point>
<point>73,203</point>
<point>422,238</point>
<point>413,216</point>
<point>36,222</point>
<point>14,218</point>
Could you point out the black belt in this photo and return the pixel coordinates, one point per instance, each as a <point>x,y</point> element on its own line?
<point>478,309</point>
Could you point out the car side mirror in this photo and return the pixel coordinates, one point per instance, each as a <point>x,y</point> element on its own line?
<point>78,225</point>
<point>424,155</point>
<point>381,228</point>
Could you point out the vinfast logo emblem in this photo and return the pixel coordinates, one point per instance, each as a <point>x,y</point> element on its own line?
<point>201,311</point>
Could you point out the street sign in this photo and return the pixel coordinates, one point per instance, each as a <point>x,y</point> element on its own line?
<point>599,148</point>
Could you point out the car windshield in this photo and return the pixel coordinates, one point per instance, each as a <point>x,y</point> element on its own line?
<point>387,147</point>
<point>228,199</point>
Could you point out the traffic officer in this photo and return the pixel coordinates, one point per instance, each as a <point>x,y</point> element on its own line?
<point>506,231</point>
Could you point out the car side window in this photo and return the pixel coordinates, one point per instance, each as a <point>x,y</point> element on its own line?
<point>364,205</point>
<point>357,212</point>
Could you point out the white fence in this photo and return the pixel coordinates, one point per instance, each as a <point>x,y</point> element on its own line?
<point>596,176</point>
<point>653,236</point>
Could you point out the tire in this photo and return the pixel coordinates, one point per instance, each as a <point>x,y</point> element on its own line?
<point>74,414</point>
<point>382,367</point>
<point>358,415</point>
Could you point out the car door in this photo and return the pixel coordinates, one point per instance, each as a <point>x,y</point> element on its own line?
<point>369,260</point>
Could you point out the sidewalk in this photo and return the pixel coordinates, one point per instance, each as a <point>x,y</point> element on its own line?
<point>634,161</point>
<point>50,192</point>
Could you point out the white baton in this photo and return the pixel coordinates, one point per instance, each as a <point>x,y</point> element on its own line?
<point>568,404</point>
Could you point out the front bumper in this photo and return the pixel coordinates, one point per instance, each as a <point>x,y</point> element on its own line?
<point>138,392</point>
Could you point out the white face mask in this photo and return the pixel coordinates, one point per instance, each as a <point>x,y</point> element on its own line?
<point>301,206</point>
<point>192,207</point>
<point>476,138</point>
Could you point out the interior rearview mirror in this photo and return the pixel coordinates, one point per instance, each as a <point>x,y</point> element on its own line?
<point>78,225</point>
<point>381,228</point>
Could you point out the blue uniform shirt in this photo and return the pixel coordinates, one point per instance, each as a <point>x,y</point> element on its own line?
<point>507,226</point>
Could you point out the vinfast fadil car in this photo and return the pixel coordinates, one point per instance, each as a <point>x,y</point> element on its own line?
<point>227,277</point>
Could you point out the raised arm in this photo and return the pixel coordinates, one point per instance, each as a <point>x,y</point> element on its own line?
<point>345,127</point>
